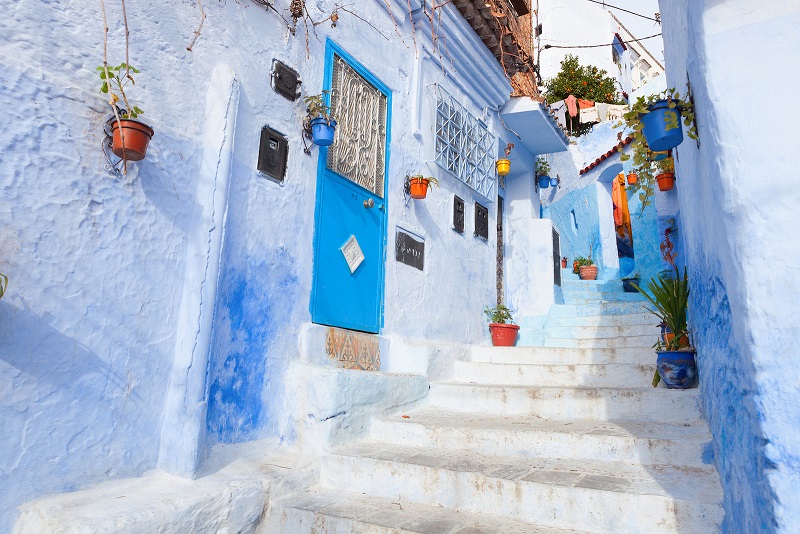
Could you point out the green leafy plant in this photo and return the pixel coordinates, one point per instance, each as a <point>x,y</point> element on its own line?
<point>643,158</point>
<point>666,165</point>
<point>114,82</point>
<point>669,296</point>
<point>3,284</point>
<point>432,181</point>
<point>542,167</point>
<point>318,108</point>
<point>499,314</point>
<point>581,261</point>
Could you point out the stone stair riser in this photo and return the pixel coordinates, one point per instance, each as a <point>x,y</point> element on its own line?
<point>655,404</point>
<point>562,356</point>
<point>604,320</point>
<point>547,504</point>
<point>608,309</point>
<point>601,332</point>
<point>618,376</point>
<point>643,342</point>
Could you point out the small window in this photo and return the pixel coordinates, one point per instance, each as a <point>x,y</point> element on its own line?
<point>458,214</point>
<point>481,221</point>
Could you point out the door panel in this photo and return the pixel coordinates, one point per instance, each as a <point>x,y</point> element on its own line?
<point>350,203</point>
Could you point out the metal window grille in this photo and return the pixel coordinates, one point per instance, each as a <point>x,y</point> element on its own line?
<point>464,146</point>
<point>359,153</point>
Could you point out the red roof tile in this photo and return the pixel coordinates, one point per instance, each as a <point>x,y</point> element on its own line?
<point>617,148</point>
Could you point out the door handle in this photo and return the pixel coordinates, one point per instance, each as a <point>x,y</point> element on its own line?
<point>369,203</point>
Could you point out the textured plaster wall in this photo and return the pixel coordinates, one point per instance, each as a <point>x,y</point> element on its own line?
<point>97,347</point>
<point>740,242</point>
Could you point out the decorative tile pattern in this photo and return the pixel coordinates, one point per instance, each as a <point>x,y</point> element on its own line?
<point>353,350</point>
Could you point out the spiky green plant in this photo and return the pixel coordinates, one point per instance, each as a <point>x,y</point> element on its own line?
<point>670,298</point>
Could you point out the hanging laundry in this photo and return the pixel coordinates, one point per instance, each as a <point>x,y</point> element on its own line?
<point>560,109</point>
<point>602,111</point>
<point>616,111</point>
<point>589,115</point>
<point>583,104</point>
<point>571,105</point>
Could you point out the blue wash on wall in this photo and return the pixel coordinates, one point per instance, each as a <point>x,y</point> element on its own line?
<point>254,306</point>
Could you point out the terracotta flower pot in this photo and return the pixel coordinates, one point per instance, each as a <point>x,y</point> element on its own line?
<point>575,267</point>
<point>419,187</point>
<point>588,272</point>
<point>563,263</point>
<point>137,136</point>
<point>632,178</point>
<point>666,181</point>
<point>503,335</point>
<point>503,167</point>
<point>683,341</point>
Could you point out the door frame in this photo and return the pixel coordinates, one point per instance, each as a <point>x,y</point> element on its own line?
<point>332,48</point>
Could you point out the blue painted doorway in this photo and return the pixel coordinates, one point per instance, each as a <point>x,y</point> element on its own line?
<point>351,211</point>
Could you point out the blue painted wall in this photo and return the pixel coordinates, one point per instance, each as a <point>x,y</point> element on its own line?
<point>576,218</point>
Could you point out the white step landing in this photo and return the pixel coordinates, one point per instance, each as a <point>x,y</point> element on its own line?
<point>565,436</point>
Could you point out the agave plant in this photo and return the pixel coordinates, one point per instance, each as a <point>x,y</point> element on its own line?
<point>670,297</point>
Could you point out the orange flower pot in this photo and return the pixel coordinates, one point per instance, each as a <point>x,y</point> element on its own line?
<point>683,341</point>
<point>575,267</point>
<point>563,263</point>
<point>418,187</point>
<point>632,178</point>
<point>588,272</point>
<point>503,335</point>
<point>666,181</point>
<point>137,136</point>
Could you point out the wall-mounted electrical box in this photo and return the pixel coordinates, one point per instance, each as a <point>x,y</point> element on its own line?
<point>285,80</point>
<point>272,154</point>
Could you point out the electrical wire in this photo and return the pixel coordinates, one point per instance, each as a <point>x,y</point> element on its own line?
<point>604,4</point>
<point>600,45</point>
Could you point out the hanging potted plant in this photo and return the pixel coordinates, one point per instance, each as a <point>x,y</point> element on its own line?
<point>542,172</point>
<point>504,332</point>
<point>320,120</point>
<point>130,137</point>
<point>632,178</point>
<point>417,185</point>
<point>654,121</point>
<point>666,178</point>
<point>669,295</point>
<point>504,164</point>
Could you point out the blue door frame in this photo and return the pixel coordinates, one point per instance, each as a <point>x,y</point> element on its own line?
<point>338,297</point>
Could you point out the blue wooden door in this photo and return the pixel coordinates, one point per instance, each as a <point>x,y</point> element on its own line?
<point>350,222</point>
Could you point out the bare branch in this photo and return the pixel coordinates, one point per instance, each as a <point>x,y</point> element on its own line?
<point>200,28</point>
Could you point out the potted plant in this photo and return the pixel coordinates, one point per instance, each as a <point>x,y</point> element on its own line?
<point>418,185</point>
<point>130,137</point>
<point>504,164</point>
<point>322,123</point>
<point>564,262</point>
<point>632,178</point>
<point>669,295</point>
<point>629,283</point>
<point>3,284</point>
<point>585,268</point>
<point>501,325</point>
<point>654,121</point>
<point>543,172</point>
<point>666,178</point>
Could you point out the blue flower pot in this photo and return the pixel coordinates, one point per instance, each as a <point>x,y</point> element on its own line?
<point>655,127</point>
<point>553,182</point>
<point>678,369</point>
<point>627,287</point>
<point>322,132</point>
<point>544,182</point>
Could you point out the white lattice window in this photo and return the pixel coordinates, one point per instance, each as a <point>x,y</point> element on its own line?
<point>464,146</point>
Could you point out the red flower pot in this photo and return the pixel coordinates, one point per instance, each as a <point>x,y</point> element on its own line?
<point>503,335</point>
<point>418,187</point>
<point>666,181</point>
<point>137,136</point>
<point>632,178</point>
<point>563,263</point>
<point>588,272</point>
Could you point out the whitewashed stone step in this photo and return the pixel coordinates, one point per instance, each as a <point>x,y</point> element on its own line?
<point>600,298</point>
<point>549,375</point>
<point>643,341</point>
<point>567,494</point>
<point>604,320</point>
<point>592,285</point>
<point>557,355</point>
<point>639,442</point>
<point>602,332</point>
<point>332,511</point>
<point>603,404</point>
<point>597,308</point>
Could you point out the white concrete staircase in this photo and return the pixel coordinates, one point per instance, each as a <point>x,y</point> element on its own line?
<point>568,436</point>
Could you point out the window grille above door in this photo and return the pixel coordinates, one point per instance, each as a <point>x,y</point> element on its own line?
<point>359,152</point>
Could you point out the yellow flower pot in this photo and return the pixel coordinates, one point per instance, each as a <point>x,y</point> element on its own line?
<point>503,166</point>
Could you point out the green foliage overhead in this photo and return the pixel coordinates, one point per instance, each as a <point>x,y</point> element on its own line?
<point>542,167</point>
<point>584,81</point>
<point>318,108</point>
<point>499,314</point>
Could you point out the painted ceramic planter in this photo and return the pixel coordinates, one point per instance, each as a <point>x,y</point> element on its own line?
<point>418,187</point>
<point>655,127</point>
<point>632,178</point>
<point>666,181</point>
<point>588,272</point>
<point>627,286</point>
<point>322,132</point>
<point>544,182</point>
<point>503,167</point>
<point>677,368</point>
<point>503,335</point>
<point>137,136</point>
